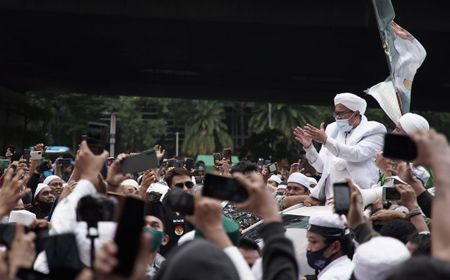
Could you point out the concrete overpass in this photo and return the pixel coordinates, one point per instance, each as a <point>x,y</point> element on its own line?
<point>281,51</point>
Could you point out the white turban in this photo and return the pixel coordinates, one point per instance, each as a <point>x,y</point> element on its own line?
<point>412,123</point>
<point>39,188</point>
<point>351,101</point>
<point>378,257</point>
<point>51,178</point>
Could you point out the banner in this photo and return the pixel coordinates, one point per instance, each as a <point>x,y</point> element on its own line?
<point>404,55</point>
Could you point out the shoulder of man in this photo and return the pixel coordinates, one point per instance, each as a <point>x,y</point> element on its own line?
<point>374,127</point>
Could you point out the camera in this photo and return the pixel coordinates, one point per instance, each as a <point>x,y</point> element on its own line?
<point>95,208</point>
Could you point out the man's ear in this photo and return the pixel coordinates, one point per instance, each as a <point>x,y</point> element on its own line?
<point>335,247</point>
<point>165,240</point>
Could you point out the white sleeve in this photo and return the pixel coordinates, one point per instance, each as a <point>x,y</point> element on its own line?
<point>314,158</point>
<point>365,149</point>
<point>64,218</point>
<point>239,263</point>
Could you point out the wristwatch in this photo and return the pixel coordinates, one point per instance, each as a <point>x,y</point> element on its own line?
<point>413,213</point>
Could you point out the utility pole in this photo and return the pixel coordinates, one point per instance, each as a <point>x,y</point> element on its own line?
<point>270,115</point>
<point>112,134</point>
<point>177,137</point>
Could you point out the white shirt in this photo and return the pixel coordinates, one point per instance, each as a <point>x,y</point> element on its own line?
<point>339,269</point>
<point>347,155</point>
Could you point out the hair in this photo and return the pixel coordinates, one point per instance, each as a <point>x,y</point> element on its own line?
<point>347,247</point>
<point>244,167</point>
<point>177,171</point>
<point>248,243</point>
<point>421,267</point>
<point>399,229</point>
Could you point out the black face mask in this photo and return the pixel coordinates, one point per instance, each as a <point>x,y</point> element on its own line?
<point>316,259</point>
<point>46,206</point>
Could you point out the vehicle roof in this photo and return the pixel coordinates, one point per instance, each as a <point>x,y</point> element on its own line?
<point>301,210</point>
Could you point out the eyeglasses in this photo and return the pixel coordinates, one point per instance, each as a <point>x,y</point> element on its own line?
<point>342,114</point>
<point>188,185</point>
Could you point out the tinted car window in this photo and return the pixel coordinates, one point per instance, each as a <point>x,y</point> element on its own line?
<point>289,221</point>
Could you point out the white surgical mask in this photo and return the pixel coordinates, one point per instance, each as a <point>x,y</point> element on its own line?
<point>344,125</point>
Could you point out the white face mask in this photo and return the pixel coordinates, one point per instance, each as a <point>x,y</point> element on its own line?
<point>344,125</point>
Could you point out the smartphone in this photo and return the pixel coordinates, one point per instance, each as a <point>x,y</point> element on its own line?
<point>36,155</point>
<point>62,256</point>
<point>217,158</point>
<point>97,137</point>
<point>26,154</point>
<point>128,235</point>
<point>190,164</point>
<point>398,146</point>
<point>391,194</point>
<point>4,163</point>
<point>224,188</point>
<point>273,167</point>
<point>341,197</point>
<point>140,162</point>
<point>227,154</point>
<point>180,201</point>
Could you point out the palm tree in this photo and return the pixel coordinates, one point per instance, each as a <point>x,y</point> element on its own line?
<point>283,118</point>
<point>206,130</point>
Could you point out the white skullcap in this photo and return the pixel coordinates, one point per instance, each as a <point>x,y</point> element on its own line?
<point>39,188</point>
<point>275,178</point>
<point>22,217</point>
<point>412,123</point>
<point>51,178</point>
<point>312,181</point>
<point>159,188</point>
<point>299,178</point>
<point>281,186</point>
<point>327,220</point>
<point>130,182</point>
<point>351,101</point>
<point>377,258</point>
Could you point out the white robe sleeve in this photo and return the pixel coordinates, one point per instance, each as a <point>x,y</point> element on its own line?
<point>314,158</point>
<point>365,149</point>
<point>64,218</point>
<point>239,263</point>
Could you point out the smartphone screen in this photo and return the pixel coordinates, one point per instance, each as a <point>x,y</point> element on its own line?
<point>128,235</point>
<point>341,198</point>
<point>224,188</point>
<point>97,137</point>
<point>140,162</point>
<point>227,154</point>
<point>217,158</point>
<point>272,168</point>
<point>390,194</point>
<point>398,146</point>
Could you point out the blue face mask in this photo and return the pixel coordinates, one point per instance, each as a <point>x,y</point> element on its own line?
<point>316,260</point>
<point>344,126</point>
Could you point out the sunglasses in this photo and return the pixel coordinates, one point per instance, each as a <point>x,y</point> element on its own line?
<point>188,185</point>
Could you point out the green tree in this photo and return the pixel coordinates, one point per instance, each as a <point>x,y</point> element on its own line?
<point>205,129</point>
<point>284,118</point>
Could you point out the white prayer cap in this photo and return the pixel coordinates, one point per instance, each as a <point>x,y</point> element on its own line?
<point>159,188</point>
<point>282,185</point>
<point>327,221</point>
<point>351,101</point>
<point>377,258</point>
<point>22,216</point>
<point>300,179</point>
<point>412,123</point>
<point>130,182</point>
<point>51,178</point>
<point>39,188</point>
<point>275,178</point>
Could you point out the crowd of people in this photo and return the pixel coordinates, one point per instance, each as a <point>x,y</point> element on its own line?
<point>60,222</point>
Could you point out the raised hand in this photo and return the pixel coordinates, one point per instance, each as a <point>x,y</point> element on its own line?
<point>317,134</point>
<point>302,137</point>
<point>12,190</point>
